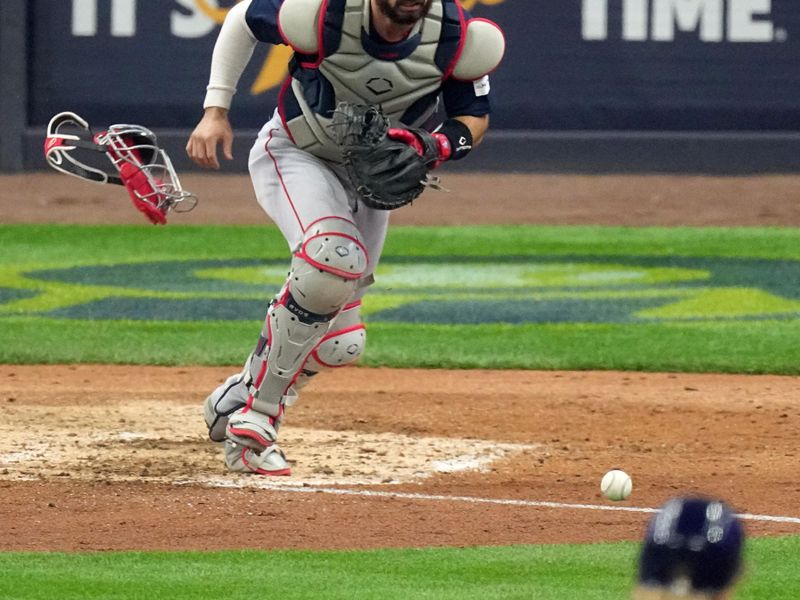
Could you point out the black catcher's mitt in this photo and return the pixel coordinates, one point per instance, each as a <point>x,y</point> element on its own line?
<point>387,173</point>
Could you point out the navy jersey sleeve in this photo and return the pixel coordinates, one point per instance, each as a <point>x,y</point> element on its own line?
<point>465,98</point>
<point>462,98</point>
<point>262,19</point>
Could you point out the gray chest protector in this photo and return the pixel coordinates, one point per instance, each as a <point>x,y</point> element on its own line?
<point>403,78</point>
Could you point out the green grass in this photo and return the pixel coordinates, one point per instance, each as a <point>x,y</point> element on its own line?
<point>677,340</point>
<point>108,244</point>
<point>684,316</point>
<point>561,572</point>
<point>758,347</point>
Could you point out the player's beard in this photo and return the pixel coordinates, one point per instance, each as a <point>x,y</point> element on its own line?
<point>404,12</point>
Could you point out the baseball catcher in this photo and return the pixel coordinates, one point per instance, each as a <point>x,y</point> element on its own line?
<point>126,155</point>
<point>379,93</point>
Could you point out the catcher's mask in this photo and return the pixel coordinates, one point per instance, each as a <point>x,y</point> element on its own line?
<point>72,147</point>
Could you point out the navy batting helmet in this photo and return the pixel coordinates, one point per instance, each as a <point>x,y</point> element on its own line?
<point>694,544</point>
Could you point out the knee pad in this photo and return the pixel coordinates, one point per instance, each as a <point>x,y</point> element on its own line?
<point>343,344</point>
<point>327,266</point>
<point>325,272</point>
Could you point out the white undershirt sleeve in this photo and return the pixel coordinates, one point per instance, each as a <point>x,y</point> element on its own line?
<point>232,51</point>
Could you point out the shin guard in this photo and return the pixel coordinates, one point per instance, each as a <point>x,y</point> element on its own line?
<point>325,273</point>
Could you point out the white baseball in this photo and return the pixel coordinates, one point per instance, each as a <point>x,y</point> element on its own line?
<point>616,485</point>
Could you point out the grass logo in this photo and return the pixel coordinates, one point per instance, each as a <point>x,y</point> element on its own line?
<point>452,290</point>
<point>489,296</point>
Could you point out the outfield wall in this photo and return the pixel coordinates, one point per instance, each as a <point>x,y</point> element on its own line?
<point>587,85</point>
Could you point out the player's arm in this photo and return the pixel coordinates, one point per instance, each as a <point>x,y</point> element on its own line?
<point>232,51</point>
<point>459,134</point>
<point>454,138</point>
<point>466,97</point>
<point>478,126</point>
<point>467,94</point>
<point>246,24</point>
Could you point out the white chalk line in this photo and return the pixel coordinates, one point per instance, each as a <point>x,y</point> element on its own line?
<point>495,501</point>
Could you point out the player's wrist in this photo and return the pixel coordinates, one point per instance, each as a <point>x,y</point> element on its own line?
<point>459,137</point>
<point>216,112</point>
<point>218,97</point>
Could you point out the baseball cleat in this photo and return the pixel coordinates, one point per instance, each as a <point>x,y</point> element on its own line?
<point>240,459</point>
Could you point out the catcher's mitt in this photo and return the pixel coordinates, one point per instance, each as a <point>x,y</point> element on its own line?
<point>387,173</point>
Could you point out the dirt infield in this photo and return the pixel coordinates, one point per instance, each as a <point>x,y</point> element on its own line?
<point>473,198</point>
<point>98,457</point>
<point>90,464</point>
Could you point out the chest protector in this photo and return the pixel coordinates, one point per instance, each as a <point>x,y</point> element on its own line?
<point>336,60</point>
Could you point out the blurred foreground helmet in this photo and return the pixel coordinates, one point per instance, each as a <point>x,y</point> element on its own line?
<point>693,545</point>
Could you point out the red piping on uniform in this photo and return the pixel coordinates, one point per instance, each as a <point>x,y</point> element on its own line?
<point>280,178</point>
<point>490,71</point>
<point>352,305</point>
<point>452,66</point>
<point>287,83</point>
